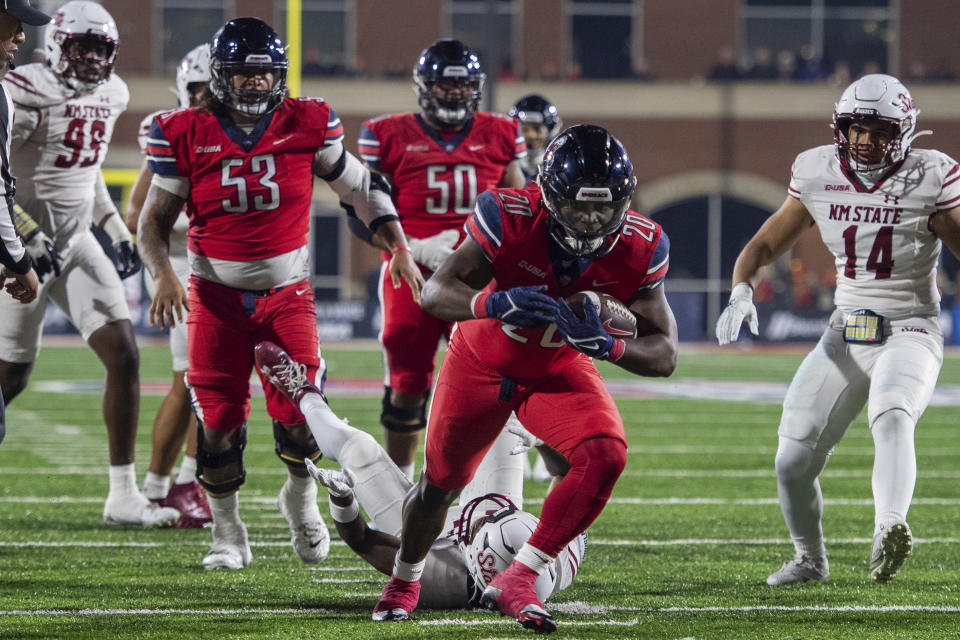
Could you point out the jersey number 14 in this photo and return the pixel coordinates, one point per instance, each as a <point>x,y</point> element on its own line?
<point>880,260</point>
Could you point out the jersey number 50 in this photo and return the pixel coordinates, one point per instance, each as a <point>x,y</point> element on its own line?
<point>464,179</point>
<point>266,166</point>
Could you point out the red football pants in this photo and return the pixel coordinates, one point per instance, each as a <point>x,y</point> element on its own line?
<point>409,337</point>
<point>223,326</point>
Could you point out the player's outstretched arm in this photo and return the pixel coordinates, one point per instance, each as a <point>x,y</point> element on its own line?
<point>779,232</point>
<point>160,211</point>
<point>946,226</point>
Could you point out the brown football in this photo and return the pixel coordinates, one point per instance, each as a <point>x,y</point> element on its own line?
<point>617,319</point>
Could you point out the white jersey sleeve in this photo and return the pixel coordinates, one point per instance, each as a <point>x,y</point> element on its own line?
<point>885,254</point>
<point>63,137</point>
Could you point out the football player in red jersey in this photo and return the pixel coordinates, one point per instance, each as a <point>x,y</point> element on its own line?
<point>527,352</point>
<point>438,161</point>
<point>243,163</point>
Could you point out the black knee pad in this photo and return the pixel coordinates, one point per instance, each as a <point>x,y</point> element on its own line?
<point>291,451</point>
<point>402,420</point>
<point>231,457</point>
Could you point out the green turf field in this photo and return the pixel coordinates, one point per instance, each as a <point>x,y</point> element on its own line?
<point>681,551</point>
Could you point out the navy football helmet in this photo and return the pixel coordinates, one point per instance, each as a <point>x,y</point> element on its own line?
<point>586,179</point>
<point>539,122</point>
<point>240,45</point>
<point>449,81</point>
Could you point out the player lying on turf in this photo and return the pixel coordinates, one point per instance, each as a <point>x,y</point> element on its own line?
<point>480,536</point>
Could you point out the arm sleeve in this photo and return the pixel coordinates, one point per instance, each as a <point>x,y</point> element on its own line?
<point>103,204</point>
<point>369,146</point>
<point>950,189</point>
<point>25,122</point>
<point>659,263</point>
<point>160,156</point>
<point>349,179</point>
<point>485,225</point>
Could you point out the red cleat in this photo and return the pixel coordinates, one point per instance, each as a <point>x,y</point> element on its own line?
<point>189,499</point>
<point>511,592</point>
<point>289,377</point>
<point>398,600</point>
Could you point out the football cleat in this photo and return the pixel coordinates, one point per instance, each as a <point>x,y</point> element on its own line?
<point>308,533</point>
<point>398,600</point>
<point>891,546</point>
<point>511,592</point>
<point>189,499</point>
<point>800,568</point>
<point>287,376</point>
<point>135,508</point>
<point>230,548</point>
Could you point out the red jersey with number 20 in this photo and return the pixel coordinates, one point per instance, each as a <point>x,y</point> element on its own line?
<point>250,193</point>
<point>510,225</point>
<point>436,179</point>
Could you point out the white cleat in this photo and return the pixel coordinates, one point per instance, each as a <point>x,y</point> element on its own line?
<point>135,508</point>
<point>891,546</point>
<point>308,533</point>
<point>800,569</point>
<point>230,548</point>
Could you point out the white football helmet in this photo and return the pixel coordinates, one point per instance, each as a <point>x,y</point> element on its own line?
<point>194,67</point>
<point>490,544</point>
<point>81,43</point>
<point>875,97</point>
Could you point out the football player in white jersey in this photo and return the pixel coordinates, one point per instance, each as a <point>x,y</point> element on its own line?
<point>175,422</point>
<point>480,537</point>
<point>65,112</point>
<point>883,210</point>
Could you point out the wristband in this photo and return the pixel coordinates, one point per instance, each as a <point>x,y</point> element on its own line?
<point>402,247</point>
<point>345,514</point>
<point>478,306</point>
<point>616,351</point>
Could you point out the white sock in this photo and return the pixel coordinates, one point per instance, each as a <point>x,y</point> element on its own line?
<point>156,486</point>
<point>408,571</point>
<point>894,467</point>
<point>533,558</point>
<point>302,496</point>
<point>123,479</point>
<point>328,430</point>
<point>801,501</point>
<point>407,469</point>
<point>188,470</point>
<point>226,510</point>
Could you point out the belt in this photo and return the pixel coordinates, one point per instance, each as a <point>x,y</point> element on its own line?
<point>249,295</point>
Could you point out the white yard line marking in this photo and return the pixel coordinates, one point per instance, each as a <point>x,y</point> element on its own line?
<point>339,543</point>
<point>502,621</point>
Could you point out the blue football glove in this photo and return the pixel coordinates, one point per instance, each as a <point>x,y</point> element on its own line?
<point>522,306</point>
<point>586,335</point>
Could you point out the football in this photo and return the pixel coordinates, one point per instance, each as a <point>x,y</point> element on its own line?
<point>617,319</point>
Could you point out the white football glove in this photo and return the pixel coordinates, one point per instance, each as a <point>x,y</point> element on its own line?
<point>339,483</point>
<point>739,309</point>
<point>525,439</point>
<point>432,251</point>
